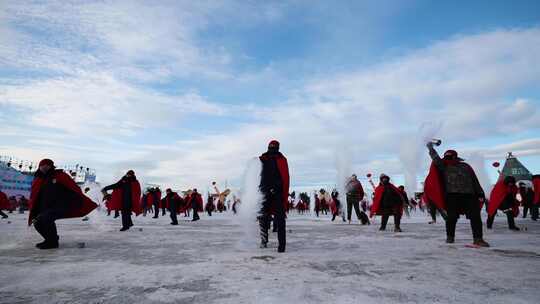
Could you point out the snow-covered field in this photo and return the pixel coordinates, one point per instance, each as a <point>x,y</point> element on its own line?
<point>325,262</point>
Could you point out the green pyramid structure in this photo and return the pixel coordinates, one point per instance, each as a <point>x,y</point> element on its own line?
<point>513,167</point>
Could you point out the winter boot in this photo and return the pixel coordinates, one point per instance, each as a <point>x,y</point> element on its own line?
<point>480,243</point>
<point>49,245</point>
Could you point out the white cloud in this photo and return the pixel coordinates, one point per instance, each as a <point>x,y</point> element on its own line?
<point>89,65</point>
<point>98,104</point>
<point>463,83</point>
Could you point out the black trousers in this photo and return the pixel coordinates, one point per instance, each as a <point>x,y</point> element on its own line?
<point>432,212</point>
<point>509,216</point>
<point>46,226</point>
<point>534,212</point>
<point>397,220</point>
<point>351,202</point>
<point>173,209</point>
<point>156,210</point>
<point>126,218</point>
<point>126,213</point>
<point>265,218</point>
<point>196,216</point>
<point>145,209</point>
<point>468,203</point>
<point>526,210</point>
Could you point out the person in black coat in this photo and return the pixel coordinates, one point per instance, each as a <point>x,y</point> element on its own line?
<point>527,197</point>
<point>274,187</point>
<point>508,204</point>
<point>54,196</point>
<point>173,201</point>
<point>51,204</point>
<point>128,187</point>
<point>196,201</point>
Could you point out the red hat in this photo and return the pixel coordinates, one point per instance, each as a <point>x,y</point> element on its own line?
<point>452,153</point>
<point>273,143</point>
<point>46,161</point>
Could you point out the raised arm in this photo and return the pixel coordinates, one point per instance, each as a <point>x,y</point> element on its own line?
<point>435,156</point>
<point>111,187</point>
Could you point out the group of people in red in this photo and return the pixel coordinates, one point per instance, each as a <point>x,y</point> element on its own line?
<point>126,199</point>
<point>451,186</point>
<point>12,203</point>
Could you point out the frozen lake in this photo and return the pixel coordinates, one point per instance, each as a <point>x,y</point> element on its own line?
<point>325,262</point>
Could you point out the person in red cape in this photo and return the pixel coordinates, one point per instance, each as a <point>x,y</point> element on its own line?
<point>154,199</point>
<point>323,201</point>
<point>144,203</point>
<point>527,201</point>
<point>387,201</point>
<point>107,200</point>
<point>274,187</point>
<point>336,206</point>
<point>196,203</point>
<point>317,203</point>
<point>536,196</point>
<point>173,201</point>
<point>503,197</point>
<point>355,194</point>
<point>159,199</point>
<point>126,196</point>
<point>452,186</point>
<point>210,206</point>
<point>407,205</point>
<point>4,204</point>
<point>54,195</point>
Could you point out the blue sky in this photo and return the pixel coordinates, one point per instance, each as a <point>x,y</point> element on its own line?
<point>186,92</point>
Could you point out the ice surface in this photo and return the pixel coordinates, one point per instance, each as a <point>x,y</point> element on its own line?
<point>325,262</point>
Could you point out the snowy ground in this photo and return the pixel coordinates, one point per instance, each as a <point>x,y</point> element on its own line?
<point>325,262</point>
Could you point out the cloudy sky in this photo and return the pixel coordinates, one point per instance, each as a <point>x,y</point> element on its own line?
<point>185,92</point>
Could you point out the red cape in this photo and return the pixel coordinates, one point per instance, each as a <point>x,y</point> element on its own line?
<point>536,185</point>
<point>65,180</point>
<point>198,201</point>
<point>177,198</point>
<point>187,204</point>
<point>159,199</point>
<point>108,202</point>
<point>155,197</point>
<point>283,168</point>
<point>498,194</point>
<point>434,188</point>
<point>210,206</point>
<point>333,206</point>
<point>116,200</point>
<point>375,207</point>
<point>4,201</point>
